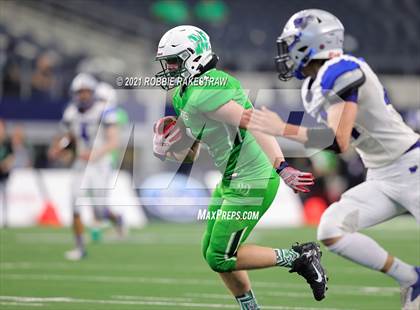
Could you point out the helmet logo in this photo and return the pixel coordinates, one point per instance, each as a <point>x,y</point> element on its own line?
<point>200,39</point>
<point>302,22</point>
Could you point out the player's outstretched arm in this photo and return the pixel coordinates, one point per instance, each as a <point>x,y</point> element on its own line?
<point>341,118</point>
<point>269,122</point>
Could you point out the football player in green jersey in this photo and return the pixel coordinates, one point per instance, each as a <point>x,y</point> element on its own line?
<point>210,103</point>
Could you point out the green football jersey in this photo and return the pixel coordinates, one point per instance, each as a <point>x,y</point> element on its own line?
<point>234,151</point>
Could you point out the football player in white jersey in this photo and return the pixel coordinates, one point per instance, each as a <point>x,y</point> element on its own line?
<point>343,93</point>
<point>92,122</point>
<point>106,96</point>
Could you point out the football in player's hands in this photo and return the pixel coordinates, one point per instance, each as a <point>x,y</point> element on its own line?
<point>167,125</point>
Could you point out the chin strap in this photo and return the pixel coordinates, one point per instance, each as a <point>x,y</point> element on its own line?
<point>305,60</point>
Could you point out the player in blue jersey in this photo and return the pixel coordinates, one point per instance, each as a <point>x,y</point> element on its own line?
<point>343,93</point>
<point>91,121</point>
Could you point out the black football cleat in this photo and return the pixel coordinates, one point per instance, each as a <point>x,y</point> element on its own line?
<point>308,265</point>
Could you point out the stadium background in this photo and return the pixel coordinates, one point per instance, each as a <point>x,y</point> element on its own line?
<point>43,44</point>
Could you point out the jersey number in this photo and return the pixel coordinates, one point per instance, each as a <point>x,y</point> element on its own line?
<point>84,132</point>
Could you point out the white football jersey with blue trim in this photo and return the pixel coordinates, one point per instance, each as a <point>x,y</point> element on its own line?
<point>380,135</point>
<point>88,127</point>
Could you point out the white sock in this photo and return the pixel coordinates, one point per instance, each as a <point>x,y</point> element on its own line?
<point>365,251</point>
<point>360,249</point>
<point>403,273</point>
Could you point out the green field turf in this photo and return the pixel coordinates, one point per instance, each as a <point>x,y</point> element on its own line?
<point>160,267</point>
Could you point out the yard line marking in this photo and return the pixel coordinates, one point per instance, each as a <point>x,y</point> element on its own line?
<point>336,289</point>
<point>219,297</point>
<point>14,303</point>
<point>29,300</point>
<point>115,302</point>
<point>377,291</point>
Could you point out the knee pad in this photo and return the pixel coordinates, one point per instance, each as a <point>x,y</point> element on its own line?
<point>336,221</point>
<point>219,263</point>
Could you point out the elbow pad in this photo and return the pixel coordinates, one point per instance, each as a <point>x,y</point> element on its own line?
<point>322,138</point>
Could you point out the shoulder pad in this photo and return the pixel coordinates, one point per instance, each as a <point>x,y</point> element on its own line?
<point>341,75</point>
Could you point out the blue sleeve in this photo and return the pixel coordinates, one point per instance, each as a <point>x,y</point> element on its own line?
<point>342,79</point>
<point>351,95</point>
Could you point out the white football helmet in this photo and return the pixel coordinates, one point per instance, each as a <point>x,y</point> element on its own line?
<point>183,52</point>
<point>308,34</point>
<point>105,92</point>
<point>81,82</point>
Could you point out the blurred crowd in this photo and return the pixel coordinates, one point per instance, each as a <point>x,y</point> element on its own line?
<point>36,79</point>
<point>15,152</point>
<point>43,69</point>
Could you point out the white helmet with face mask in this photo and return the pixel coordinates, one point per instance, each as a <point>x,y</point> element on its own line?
<point>309,34</point>
<point>83,82</point>
<point>183,53</point>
